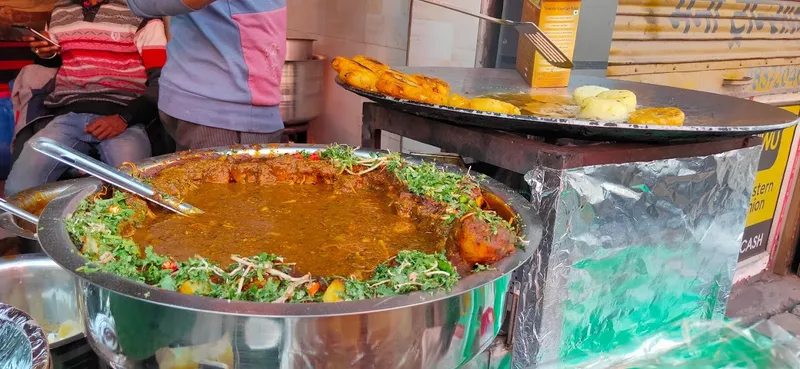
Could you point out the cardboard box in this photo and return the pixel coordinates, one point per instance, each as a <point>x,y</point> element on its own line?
<point>559,21</point>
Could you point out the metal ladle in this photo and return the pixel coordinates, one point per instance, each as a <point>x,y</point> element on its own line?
<point>99,170</point>
<point>22,214</point>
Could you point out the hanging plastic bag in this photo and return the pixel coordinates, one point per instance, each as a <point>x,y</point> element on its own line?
<point>698,344</point>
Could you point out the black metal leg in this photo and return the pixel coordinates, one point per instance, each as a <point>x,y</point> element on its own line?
<point>302,137</point>
<point>370,138</point>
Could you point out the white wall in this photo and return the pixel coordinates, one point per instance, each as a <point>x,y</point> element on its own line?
<point>377,28</point>
<point>394,31</point>
<point>441,38</point>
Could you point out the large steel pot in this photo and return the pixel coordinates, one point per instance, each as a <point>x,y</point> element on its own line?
<point>133,325</point>
<point>301,86</point>
<point>33,201</point>
<point>37,285</point>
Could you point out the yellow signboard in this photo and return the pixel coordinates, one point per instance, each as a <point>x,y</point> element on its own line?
<point>767,189</point>
<point>768,180</point>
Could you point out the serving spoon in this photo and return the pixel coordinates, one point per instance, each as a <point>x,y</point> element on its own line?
<point>22,214</point>
<point>97,169</point>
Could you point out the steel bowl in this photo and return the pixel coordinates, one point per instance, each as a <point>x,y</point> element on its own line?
<point>133,325</point>
<point>33,201</point>
<point>36,284</point>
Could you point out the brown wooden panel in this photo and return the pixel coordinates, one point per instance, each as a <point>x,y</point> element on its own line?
<point>787,242</point>
<point>766,10</point>
<point>623,70</point>
<point>740,82</point>
<point>668,36</point>
<point>667,51</point>
<point>646,27</point>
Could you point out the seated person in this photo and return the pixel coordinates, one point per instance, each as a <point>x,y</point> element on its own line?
<point>105,90</point>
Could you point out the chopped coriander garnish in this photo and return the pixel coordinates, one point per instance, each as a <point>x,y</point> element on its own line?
<point>450,189</point>
<point>99,226</point>
<point>482,268</point>
<point>410,271</point>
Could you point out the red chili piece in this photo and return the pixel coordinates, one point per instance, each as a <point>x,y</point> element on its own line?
<point>169,265</point>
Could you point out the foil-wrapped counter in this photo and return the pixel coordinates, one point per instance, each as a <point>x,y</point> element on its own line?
<point>629,249</point>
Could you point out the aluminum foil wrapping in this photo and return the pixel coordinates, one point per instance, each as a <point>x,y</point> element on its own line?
<point>629,249</point>
<point>23,344</point>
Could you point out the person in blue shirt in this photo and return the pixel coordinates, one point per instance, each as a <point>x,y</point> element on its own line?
<point>221,83</point>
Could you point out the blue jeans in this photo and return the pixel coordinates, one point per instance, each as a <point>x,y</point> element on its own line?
<point>34,169</point>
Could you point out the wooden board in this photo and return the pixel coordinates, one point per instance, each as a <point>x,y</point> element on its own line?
<point>787,229</point>
<point>674,51</point>
<point>701,44</point>
<point>782,81</point>
<point>711,8</point>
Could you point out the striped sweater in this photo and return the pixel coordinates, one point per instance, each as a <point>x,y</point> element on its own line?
<point>110,60</point>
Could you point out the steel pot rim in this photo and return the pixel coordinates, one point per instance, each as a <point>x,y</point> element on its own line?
<point>57,244</point>
<point>314,58</point>
<point>8,221</point>
<point>9,224</point>
<point>289,39</point>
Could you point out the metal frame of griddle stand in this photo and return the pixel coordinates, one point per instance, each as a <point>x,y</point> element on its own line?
<point>520,154</point>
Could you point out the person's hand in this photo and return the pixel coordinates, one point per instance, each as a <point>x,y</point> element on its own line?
<point>106,127</point>
<point>41,48</point>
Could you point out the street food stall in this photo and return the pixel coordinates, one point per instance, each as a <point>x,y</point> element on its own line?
<point>633,236</point>
<point>649,210</point>
<point>616,219</point>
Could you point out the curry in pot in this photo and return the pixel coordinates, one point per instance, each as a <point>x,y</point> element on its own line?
<point>308,225</point>
<point>326,226</point>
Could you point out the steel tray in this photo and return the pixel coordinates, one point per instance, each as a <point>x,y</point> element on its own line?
<point>707,115</point>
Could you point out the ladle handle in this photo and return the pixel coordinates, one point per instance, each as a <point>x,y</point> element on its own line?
<point>24,215</point>
<point>97,169</point>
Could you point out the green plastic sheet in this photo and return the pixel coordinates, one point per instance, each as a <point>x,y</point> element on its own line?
<point>700,344</point>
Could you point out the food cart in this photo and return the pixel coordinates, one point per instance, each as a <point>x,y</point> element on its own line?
<point>641,227</point>
<point>636,236</point>
<point>613,211</point>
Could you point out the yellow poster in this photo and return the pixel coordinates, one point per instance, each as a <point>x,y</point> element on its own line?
<point>767,189</point>
<point>771,167</point>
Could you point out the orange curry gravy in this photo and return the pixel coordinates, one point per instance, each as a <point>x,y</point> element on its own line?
<point>324,231</point>
<point>36,209</point>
